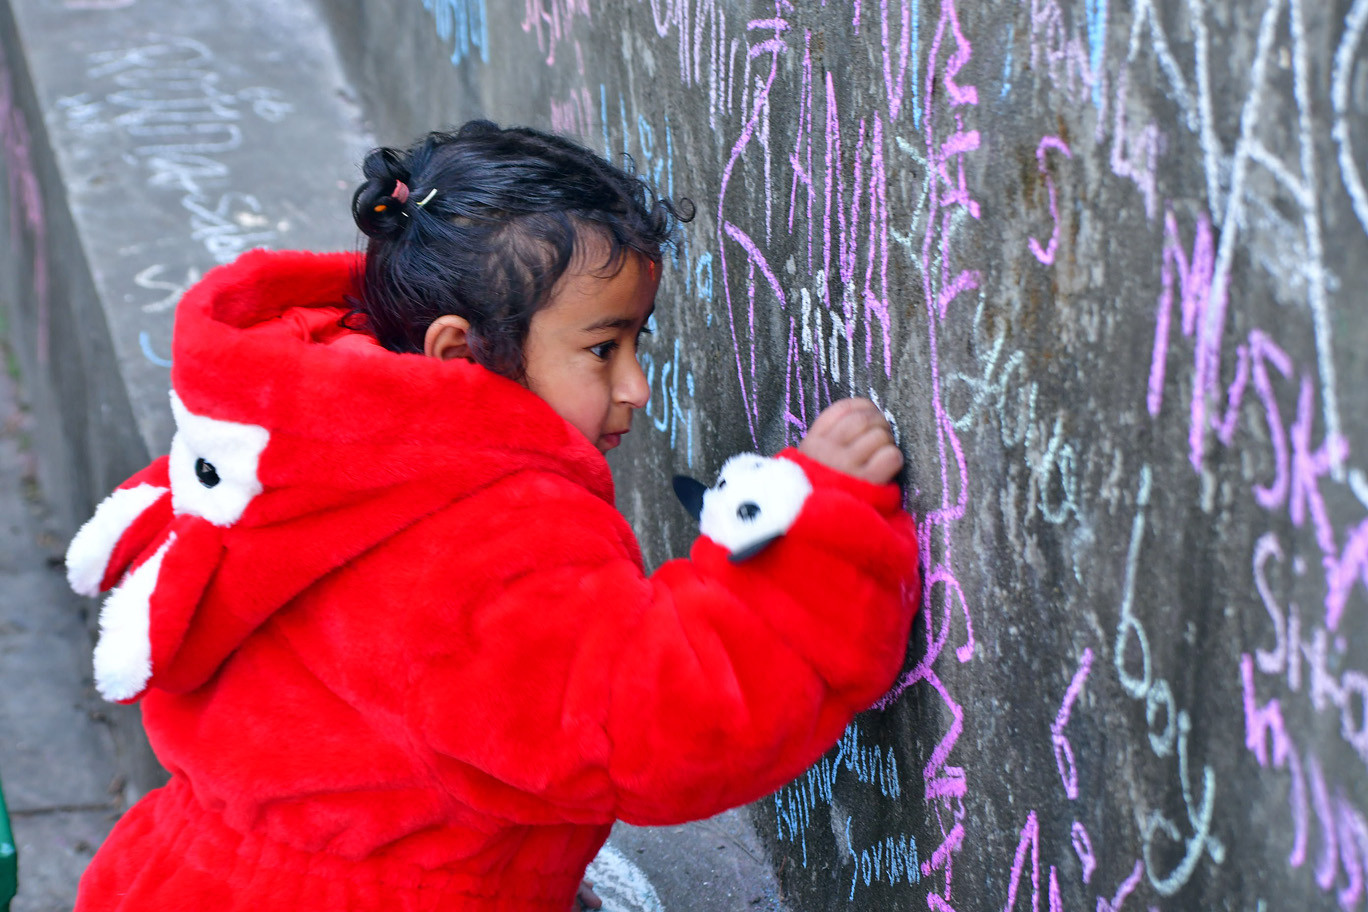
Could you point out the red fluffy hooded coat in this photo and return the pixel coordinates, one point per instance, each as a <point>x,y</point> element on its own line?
<point>409,659</point>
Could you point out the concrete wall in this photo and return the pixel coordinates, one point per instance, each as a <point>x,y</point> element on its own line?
<point>1100,262</point>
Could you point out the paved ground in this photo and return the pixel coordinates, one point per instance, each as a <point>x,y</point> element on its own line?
<point>56,755</point>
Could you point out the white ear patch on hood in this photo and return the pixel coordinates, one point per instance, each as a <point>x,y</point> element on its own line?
<point>214,465</point>
<point>753,503</point>
<point>123,656</point>
<point>87,557</point>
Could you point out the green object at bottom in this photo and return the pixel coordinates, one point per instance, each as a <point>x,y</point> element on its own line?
<point>9,858</point>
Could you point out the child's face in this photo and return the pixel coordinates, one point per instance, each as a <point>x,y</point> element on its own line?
<point>581,348</point>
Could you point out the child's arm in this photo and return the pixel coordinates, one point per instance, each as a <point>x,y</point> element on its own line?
<point>672,697</point>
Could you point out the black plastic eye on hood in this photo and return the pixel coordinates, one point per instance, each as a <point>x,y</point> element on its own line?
<point>206,473</point>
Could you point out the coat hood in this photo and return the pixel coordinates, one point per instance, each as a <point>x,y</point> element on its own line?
<point>300,445</point>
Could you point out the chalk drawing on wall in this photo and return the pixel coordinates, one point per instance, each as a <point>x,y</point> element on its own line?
<point>465,23</point>
<point>1346,55</point>
<point>169,101</point>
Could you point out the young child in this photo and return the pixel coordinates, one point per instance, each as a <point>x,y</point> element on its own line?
<point>390,636</point>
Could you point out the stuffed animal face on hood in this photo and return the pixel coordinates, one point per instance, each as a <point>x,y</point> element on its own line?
<point>300,445</point>
<point>157,541</point>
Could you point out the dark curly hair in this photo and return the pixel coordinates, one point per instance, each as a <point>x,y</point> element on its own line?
<point>509,208</point>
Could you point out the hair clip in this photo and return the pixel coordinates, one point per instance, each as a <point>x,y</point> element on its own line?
<point>401,192</point>
<point>425,200</point>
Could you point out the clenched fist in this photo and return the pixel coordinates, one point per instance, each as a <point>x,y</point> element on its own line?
<point>852,436</point>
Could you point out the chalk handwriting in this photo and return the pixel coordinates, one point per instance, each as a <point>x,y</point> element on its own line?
<point>169,101</point>
<point>1350,170</point>
<point>891,860</point>
<point>1141,683</point>
<point>553,22</point>
<point>1046,254</point>
<point>1064,755</point>
<point>870,765</point>
<point>151,279</point>
<point>465,23</point>
<point>670,376</point>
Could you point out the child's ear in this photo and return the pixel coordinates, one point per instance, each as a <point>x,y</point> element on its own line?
<point>448,337</point>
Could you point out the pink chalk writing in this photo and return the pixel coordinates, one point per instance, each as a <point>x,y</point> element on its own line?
<point>1126,888</point>
<point>946,148</point>
<point>1339,831</point>
<point>1046,254</point>
<point>1082,846</point>
<point>895,63</point>
<point>1301,465</point>
<point>1061,53</point>
<point>574,114</point>
<point>774,46</point>
<point>1030,841</point>
<point>552,21</point>
<point>1194,277</point>
<point>849,295</point>
<point>1064,755</point>
<point>1135,153</point>
<point>1028,846</point>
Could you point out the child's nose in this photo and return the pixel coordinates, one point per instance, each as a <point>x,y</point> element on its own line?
<point>632,388</point>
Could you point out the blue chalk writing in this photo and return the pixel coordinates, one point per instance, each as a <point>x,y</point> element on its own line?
<point>463,22</point>
<point>891,860</point>
<point>666,409</point>
<point>1007,63</point>
<point>871,764</point>
<point>145,343</point>
<point>1097,42</point>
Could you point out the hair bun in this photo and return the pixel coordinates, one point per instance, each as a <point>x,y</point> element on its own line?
<point>378,212</point>
<point>378,206</point>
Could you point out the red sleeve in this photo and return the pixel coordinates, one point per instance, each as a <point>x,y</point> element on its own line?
<point>660,699</point>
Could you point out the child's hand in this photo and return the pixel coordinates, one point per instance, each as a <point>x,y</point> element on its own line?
<point>852,436</point>
<point>586,898</point>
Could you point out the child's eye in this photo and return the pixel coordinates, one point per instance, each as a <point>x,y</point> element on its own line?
<point>604,349</point>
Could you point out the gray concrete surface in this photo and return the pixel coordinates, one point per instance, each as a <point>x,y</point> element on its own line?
<point>56,748</point>
<point>717,865</point>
